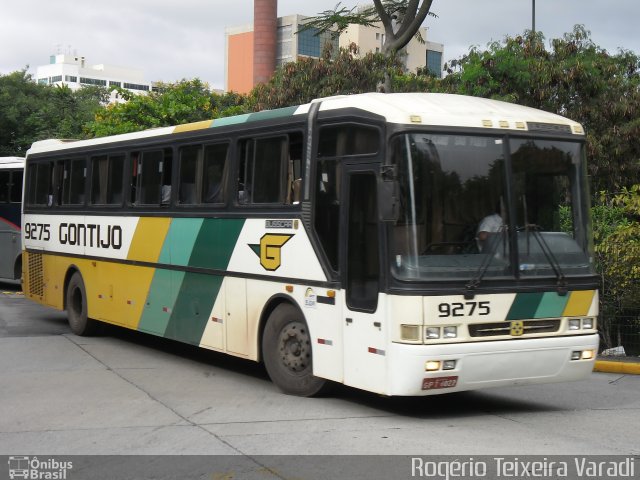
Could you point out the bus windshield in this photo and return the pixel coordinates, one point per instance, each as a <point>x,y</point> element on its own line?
<point>456,209</point>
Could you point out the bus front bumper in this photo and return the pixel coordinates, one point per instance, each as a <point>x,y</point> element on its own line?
<point>488,364</point>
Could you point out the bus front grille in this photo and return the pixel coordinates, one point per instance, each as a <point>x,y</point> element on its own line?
<point>504,328</point>
<point>36,277</point>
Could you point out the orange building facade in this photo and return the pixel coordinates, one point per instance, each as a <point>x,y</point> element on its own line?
<point>240,62</point>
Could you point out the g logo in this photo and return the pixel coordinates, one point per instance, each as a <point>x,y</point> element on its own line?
<point>269,250</point>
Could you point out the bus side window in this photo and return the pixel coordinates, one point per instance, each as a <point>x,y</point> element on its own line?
<point>99,179</point>
<point>116,179</point>
<point>294,171</point>
<point>190,163</point>
<point>167,165</point>
<point>4,185</point>
<point>73,181</point>
<point>154,178</point>
<point>348,139</point>
<point>133,187</point>
<point>15,195</point>
<point>40,178</point>
<point>106,182</point>
<point>215,173</point>
<point>270,170</point>
<point>327,208</point>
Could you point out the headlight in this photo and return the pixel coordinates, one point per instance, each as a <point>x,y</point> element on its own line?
<point>432,333</point>
<point>432,365</point>
<point>450,332</point>
<point>588,354</point>
<point>574,324</point>
<point>448,364</point>
<point>587,323</point>
<point>410,332</point>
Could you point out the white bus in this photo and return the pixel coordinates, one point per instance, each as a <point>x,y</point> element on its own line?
<point>333,241</point>
<point>11,169</point>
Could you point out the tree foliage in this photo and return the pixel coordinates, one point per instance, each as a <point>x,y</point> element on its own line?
<point>574,78</point>
<point>30,112</point>
<point>299,82</point>
<point>618,247</point>
<point>401,20</point>
<point>171,104</point>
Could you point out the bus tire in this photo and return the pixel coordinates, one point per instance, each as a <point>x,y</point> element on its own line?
<point>76,301</point>
<point>286,350</point>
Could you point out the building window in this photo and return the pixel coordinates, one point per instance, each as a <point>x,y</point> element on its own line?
<point>93,81</point>
<point>71,78</point>
<point>309,43</point>
<point>57,78</point>
<point>434,63</point>
<point>136,86</point>
<point>43,81</point>
<point>113,83</point>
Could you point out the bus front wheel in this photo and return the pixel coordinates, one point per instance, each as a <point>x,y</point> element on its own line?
<point>286,350</point>
<point>79,321</point>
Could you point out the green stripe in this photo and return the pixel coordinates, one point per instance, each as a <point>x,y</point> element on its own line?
<point>269,114</point>
<point>221,122</point>
<point>552,305</point>
<point>162,295</point>
<point>179,242</point>
<point>179,303</point>
<point>215,243</point>
<point>193,306</point>
<point>524,306</point>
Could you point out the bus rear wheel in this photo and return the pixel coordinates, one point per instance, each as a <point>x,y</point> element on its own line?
<point>76,300</point>
<point>286,350</point>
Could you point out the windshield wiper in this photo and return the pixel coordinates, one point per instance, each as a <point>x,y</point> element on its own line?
<point>548,253</point>
<point>471,286</point>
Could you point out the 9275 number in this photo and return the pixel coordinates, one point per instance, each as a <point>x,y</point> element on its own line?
<point>459,309</point>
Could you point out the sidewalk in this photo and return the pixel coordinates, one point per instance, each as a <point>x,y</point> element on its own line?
<point>629,365</point>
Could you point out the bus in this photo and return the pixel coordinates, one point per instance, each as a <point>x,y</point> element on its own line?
<point>335,241</point>
<point>11,170</point>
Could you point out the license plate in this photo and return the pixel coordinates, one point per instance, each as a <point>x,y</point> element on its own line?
<point>439,382</point>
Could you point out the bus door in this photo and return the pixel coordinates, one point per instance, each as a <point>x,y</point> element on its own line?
<point>362,310</point>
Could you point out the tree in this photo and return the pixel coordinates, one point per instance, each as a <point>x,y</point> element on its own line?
<point>401,20</point>
<point>30,112</point>
<point>574,78</point>
<point>300,82</point>
<point>19,103</point>
<point>172,104</point>
<point>617,237</point>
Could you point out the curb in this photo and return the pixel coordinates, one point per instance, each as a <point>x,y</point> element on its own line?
<point>632,368</point>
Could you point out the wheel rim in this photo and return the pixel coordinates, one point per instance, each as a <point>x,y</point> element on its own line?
<point>295,347</point>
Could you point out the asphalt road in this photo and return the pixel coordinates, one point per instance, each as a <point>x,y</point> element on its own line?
<point>128,393</point>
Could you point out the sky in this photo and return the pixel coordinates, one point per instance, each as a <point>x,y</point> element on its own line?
<point>172,40</point>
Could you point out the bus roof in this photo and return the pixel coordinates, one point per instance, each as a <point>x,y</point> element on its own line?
<point>429,109</point>
<point>11,162</point>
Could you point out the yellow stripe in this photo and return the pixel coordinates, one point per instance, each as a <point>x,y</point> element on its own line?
<point>189,127</point>
<point>148,239</point>
<point>579,303</point>
<point>114,301</point>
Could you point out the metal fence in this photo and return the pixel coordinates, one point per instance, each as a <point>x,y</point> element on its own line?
<point>620,329</point>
